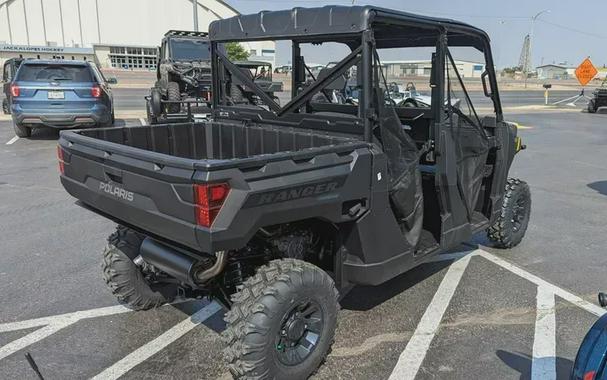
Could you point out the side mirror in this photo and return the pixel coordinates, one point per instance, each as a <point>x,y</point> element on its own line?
<point>112,80</point>
<point>485,86</point>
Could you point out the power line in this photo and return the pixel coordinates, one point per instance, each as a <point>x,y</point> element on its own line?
<point>573,29</point>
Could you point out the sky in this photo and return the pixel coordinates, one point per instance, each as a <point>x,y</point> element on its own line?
<point>568,33</point>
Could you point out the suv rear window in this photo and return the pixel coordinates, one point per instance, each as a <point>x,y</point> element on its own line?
<point>54,72</point>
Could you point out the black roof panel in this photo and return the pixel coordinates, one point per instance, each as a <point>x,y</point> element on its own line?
<point>329,20</point>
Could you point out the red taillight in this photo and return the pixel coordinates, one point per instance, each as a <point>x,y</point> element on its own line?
<point>15,91</point>
<point>589,375</point>
<point>61,160</point>
<point>208,199</point>
<point>96,92</point>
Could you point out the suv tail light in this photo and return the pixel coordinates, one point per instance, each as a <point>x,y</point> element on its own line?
<point>208,199</point>
<point>61,160</point>
<point>15,91</point>
<point>96,92</point>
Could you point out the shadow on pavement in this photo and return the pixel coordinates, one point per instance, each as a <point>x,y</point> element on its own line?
<point>363,298</point>
<point>599,187</point>
<point>522,364</point>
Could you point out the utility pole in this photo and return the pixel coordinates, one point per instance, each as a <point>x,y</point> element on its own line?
<point>43,23</point>
<point>195,13</point>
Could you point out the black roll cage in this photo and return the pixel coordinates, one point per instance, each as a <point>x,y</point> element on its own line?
<point>363,44</point>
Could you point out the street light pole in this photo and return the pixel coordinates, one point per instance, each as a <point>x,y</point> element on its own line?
<point>195,13</point>
<point>533,20</point>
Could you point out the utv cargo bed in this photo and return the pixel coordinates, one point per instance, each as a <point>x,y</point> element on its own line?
<point>150,188</point>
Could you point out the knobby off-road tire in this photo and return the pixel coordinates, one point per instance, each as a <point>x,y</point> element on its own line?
<point>123,277</point>
<point>271,309</point>
<point>22,131</point>
<point>174,95</point>
<point>236,94</point>
<point>510,227</point>
<point>591,107</point>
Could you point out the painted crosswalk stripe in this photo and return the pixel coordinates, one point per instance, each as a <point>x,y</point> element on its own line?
<point>143,121</point>
<point>148,350</point>
<point>11,141</point>
<point>411,358</point>
<point>543,364</point>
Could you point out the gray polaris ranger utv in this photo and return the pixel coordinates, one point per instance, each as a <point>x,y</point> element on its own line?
<point>276,211</point>
<point>183,77</point>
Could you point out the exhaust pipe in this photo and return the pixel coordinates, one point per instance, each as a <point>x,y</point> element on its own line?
<point>176,264</point>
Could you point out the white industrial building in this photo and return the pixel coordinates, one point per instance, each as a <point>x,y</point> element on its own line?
<point>403,69</point>
<point>114,33</point>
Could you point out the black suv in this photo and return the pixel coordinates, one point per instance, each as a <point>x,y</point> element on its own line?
<point>8,74</point>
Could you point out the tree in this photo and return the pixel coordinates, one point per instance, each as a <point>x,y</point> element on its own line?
<point>236,52</point>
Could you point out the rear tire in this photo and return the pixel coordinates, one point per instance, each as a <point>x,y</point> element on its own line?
<point>174,95</point>
<point>124,278</point>
<point>288,307</point>
<point>22,131</point>
<point>510,227</point>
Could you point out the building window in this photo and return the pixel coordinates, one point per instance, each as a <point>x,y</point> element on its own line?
<point>268,52</point>
<point>38,56</point>
<point>253,52</point>
<point>130,57</point>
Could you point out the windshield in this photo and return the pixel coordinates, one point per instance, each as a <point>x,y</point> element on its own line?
<point>54,72</point>
<point>183,49</point>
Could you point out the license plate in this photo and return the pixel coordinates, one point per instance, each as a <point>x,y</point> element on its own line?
<point>56,95</point>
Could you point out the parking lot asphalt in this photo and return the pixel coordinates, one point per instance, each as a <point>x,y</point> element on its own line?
<point>478,312</point>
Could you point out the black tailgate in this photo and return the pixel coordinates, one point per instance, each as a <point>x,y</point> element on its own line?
<point>145,189</point>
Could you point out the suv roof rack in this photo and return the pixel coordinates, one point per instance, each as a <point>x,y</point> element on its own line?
<point>185,33</point>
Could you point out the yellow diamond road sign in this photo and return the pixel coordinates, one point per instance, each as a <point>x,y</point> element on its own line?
<point>586,72</point>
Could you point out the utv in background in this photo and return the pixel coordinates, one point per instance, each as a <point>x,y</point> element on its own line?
<point>183,86</point>
<point>261,73</point>
<point>600,98</point>
<point>277,211</point>
<point>8,74</point>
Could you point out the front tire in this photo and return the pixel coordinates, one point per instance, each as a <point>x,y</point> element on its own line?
<point>22,131</point>
<point>591,106</point>
<point>282,322</point>
<point>510,227</point>
<point>125,279</point>
<point>174,95</point>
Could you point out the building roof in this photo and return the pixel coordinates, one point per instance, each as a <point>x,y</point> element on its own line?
<point>302,23</point>
<point>552,65</point>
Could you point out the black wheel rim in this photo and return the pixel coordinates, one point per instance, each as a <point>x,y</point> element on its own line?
<point>299,333</point>
<point>519,213</point>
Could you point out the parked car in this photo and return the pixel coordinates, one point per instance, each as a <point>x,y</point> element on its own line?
<point>591,359</point>
<point>60,94</point>
<point>277,211</point>
<point>8,73</point>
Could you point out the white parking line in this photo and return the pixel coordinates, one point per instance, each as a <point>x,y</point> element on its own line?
<point>412,357</point>
<point>31,338</point>
<point>11,141</point>
<point>145,352</point>
<point>61,318</point>
<point>143,121</point>
<point>566,295</point>
<point>543,364</point>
